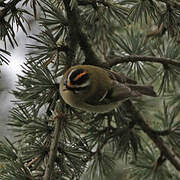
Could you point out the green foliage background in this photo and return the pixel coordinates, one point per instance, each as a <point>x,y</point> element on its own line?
<point>139,38</point>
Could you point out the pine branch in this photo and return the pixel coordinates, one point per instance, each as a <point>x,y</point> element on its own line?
<point>93,3</point>
<point>162,133</point>
<point>135,58</point>
<point>53,148</point>
<point>85,3</point>
<point>72,16</point>
<point>78,34</point>
<point>139,119</point>
<point>8,7</point>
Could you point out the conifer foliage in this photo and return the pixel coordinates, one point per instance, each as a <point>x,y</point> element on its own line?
<point>139,38</point>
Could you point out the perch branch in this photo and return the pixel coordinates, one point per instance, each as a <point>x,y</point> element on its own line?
<point>135,58</point>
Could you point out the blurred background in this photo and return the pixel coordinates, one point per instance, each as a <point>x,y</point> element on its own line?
<point>8,75</point>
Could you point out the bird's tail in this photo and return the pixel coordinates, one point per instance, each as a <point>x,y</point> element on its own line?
<point>144,90</point>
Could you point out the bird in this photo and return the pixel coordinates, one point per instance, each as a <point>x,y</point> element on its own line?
<point>95,89</point>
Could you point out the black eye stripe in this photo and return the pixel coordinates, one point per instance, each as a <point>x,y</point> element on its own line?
<point>75,80</point>
<point>81,80</point>
<point>75,73</point>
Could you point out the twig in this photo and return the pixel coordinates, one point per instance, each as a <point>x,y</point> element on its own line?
<point>159,161</point>
<point>139,119</point>
<point>136,58</point>
<point>158,31</point>
<point>162,133</point>
<point>174,4</point>
<point>53,148</point>
<point>84,3</point>
<point>32,162</point>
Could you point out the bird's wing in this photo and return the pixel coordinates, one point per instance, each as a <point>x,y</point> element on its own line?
<point>123,88</point>
<point>118,92</point>
<point>136,90</point>
<point>120,77</point>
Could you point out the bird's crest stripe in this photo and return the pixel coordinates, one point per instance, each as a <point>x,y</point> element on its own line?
<point>79,76</point>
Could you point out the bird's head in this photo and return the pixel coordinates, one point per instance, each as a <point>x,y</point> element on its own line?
<point>76,80</point>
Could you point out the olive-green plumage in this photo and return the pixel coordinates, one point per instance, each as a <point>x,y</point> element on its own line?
<point>103,91</point>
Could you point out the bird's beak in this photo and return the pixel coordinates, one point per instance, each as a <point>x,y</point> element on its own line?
<point>66,84</point>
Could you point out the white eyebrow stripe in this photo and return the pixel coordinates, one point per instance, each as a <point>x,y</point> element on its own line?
<point>69,75</point>
<point>85,84</point>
